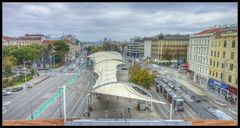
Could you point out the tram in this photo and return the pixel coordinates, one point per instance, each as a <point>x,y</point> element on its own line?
<point>169,92</point>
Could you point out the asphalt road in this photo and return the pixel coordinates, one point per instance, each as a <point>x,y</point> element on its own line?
<point>20,105</point>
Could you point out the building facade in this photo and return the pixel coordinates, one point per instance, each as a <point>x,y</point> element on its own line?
<point>30,39</point>
<point>9,41</point>
<point>199,56</point>
<point>147,47</point>
<point>133,47</point>
<point>223,65</point>
<point>169,47</point>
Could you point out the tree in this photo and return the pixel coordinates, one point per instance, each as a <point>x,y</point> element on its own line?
<point>8,65</point>
<point>61,46</point>
<point>141,76</point>
<point>25,54</point>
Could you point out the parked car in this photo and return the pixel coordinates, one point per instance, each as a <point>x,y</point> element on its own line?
<point>220,103</point>
<point>6,92</point>
<point>15,89</point>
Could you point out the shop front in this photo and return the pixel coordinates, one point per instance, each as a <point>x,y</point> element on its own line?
<point>190,74</point>
<point>233,94</point>
<point>218,88</point>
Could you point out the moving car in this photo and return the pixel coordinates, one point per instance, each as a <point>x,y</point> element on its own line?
<point>30,85</point>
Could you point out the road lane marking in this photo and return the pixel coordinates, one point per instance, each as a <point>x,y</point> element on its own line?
<point>6,103</point>
<point>46,104</point>
<point>4,111</point>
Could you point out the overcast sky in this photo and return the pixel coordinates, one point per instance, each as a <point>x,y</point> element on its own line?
<point>118,21</point>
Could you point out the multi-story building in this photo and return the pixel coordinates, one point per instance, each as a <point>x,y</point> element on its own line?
<point>9,41</point>
<point>30,39</point>
<point>144,47</point>
<point>133,47</point>
<point>223,65</point>
<point>198,55</point>
<point>169,47</point>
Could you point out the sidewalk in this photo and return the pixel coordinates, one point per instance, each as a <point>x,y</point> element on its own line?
<point>194,87</point>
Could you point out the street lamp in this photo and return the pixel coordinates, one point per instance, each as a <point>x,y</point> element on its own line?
<point>25,74</point>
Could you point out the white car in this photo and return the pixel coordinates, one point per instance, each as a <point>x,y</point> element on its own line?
<point>6,93</point>
<point>30,85</point>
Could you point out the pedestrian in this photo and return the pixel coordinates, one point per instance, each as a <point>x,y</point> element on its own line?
<point>89,114</point>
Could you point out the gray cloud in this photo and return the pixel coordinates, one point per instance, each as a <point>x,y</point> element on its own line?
<point>118,21</point>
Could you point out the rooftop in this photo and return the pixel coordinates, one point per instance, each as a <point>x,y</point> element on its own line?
<point>208,31</point>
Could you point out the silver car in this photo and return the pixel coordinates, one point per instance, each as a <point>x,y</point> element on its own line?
<point>6,92</point>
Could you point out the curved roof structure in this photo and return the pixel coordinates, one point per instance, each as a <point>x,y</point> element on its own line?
<point>105,65</point>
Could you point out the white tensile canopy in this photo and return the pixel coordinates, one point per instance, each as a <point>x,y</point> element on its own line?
<point>105,65</point>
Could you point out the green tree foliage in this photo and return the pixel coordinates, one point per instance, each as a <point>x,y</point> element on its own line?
<point>104,47</point>
<point>61,46</point>
<point>25,54</point>
<point>8,65</point>
<point>59,57</point>
<point>141,76</point>
<point>7,50</point>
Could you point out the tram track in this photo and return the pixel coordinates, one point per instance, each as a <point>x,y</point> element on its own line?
<point>164,111</point>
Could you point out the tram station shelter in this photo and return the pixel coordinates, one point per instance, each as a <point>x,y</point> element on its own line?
<point>105,66</point>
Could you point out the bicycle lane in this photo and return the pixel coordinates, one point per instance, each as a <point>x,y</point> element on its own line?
<point>46,104</point>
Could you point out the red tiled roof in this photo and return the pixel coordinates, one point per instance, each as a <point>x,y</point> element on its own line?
<point>29,38</point>
<point>207,31</point>
<point>7,38</point>
<point>47,42</point>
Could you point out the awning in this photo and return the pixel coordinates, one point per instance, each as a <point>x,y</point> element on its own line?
<point>184,66</point>
<point>174,61</point>
<point>123,90</point>
<point>105,65</point>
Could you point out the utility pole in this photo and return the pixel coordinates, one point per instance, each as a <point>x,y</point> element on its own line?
<point>24,70</point>
<point>60,104</point>
<point>132,60</point>
<point>171,107</point>
<point>64,103</point>
<point>31,110</point>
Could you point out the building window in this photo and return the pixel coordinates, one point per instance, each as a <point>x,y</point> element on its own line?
<point>218,54</point>
<point>216,74</point>
<point>221,76</point>
<point>225,44</point>
<point>232,55</point>
<point>212,43</point>
<point>217,64</point>
<point>233,43</point>
<point>211,53</point>
<point>213,63</point>
<point>231,67</point>
<point>213,74</point>
<point>215,43</point>
<point>224,54</point>
<point>210,62</point>
<point>214,53</point>
<point>219,43</point>
<point>229,78</point>
<point>209,72</point>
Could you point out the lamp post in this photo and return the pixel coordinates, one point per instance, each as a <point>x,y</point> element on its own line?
<point>64,102</point>
<point>31,110</point>
<point>60,104</point>
<point>24,71</point>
